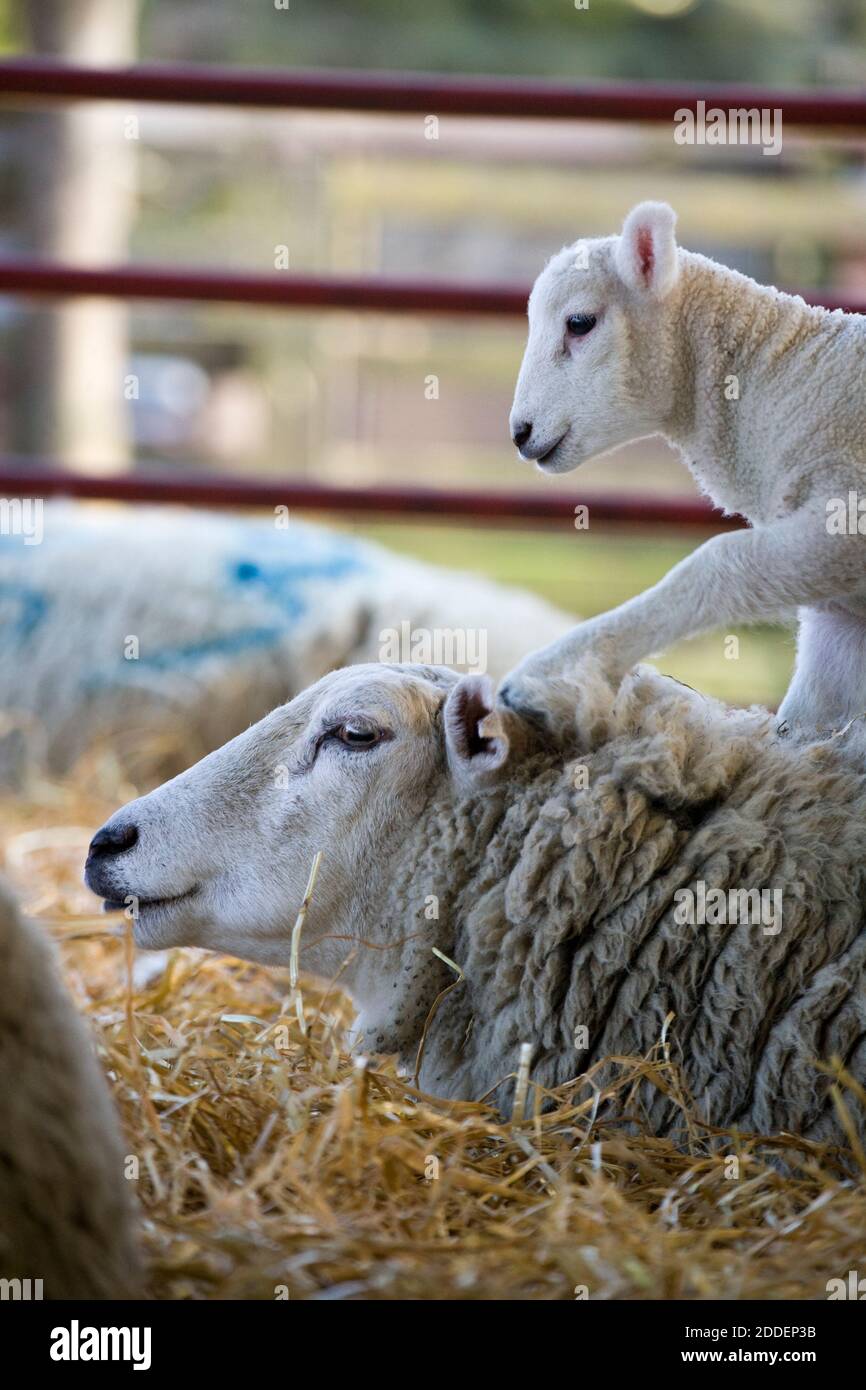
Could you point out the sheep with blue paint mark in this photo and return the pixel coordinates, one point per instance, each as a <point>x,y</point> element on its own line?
<point>166,631</point>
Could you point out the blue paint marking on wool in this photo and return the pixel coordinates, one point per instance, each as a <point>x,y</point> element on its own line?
<point>187,656</point>
<point>282,584</point>
<point>29,609</point>
<point>275,590</point>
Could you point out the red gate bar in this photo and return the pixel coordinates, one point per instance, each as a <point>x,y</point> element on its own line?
<point>17,479</point>
<point>344,89</point>
<point>380,92</point>
<point>289,291</point>
<point>281,289</point>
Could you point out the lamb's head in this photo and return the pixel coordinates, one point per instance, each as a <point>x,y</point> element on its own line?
<point>596,372</point>
<point>219,856</point>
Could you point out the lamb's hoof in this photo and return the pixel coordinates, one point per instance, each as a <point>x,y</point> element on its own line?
<point>513,698</point>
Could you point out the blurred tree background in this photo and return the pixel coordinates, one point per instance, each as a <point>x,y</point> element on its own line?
<point>343,396</point>
<point>795,41</point>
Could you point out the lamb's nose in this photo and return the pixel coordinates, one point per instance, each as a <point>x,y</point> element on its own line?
<point>521,433</point>
<point>113,839</point>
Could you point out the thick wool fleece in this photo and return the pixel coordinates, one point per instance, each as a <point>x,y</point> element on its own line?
<point>557,901</point>
<point>65,1206</point>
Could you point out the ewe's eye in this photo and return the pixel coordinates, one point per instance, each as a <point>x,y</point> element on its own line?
<point>357,736</point>
<point>578,325</point>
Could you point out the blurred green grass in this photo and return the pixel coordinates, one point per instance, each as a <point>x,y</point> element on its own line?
<point>586,574</point>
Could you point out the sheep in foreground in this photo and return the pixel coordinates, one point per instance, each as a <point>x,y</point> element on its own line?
<point>165,631</point>
<point>65,1206</point>
<point>573,876</point>
<point>763,397</point>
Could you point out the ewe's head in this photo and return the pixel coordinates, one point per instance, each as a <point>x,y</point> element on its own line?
<point>596,371</point>
<point>219,856</point>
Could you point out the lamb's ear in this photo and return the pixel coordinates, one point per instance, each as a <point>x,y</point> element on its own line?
<point>646,253</point>
<point>475,754</point>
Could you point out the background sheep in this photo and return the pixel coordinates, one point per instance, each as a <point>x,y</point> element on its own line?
<point>549,867</point>
<point>167,631</point>
<point>65,1208</point>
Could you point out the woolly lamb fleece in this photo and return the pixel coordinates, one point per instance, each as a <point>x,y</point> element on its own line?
<point>566,909</point>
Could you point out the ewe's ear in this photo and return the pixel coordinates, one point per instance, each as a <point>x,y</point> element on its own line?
<point>646,253</point>
<point>474,754</point>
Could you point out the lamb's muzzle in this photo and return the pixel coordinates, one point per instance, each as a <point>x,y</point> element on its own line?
<point>646,853</point>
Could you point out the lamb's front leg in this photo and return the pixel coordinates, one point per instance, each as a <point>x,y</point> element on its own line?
<point>828,688</point>
<point>738,577</point>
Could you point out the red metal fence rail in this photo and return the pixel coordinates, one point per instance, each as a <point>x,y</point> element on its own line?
<point>421,93</point>
<point>291,291</point>
<point>383,92</point>
<point>24,477</point>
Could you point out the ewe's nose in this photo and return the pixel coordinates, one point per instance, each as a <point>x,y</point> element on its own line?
<point>113,839</point>
<point>521,433</point>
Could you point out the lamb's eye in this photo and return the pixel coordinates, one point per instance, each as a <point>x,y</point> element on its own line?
<point>579,325</point>
<point>357,736</point>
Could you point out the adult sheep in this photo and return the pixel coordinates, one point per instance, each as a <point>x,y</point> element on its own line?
<point>165,631</point>
<point>553,868</point>
<point>66,1215</point>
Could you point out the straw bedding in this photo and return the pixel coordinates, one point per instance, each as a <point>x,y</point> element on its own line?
<point>273,1163</point>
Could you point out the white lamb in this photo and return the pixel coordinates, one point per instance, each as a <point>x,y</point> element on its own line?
<point>764,398</point>
<point>565,873</point>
